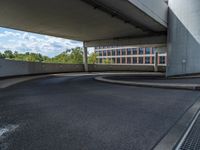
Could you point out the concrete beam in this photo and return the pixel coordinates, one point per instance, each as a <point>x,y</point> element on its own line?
<point>156,9</point>
<point>160,40</point>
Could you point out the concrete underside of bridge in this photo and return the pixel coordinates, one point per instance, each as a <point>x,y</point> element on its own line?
<point>121,22</point>
<point>128,21</point>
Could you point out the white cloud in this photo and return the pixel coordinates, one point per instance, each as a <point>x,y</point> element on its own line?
<point>24,41</point>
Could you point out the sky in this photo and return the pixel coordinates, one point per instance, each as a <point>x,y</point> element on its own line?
<point>30,42</point>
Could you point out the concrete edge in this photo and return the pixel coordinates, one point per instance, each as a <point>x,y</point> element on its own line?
<point>173,137</point>
<point>154,85</point>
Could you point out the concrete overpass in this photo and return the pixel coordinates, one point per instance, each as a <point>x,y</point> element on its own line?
<point>102,22</point>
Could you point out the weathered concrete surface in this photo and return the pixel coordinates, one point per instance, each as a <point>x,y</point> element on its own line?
<point>140,68</point>
<point>15,68</point>
<point>85,20</point>
<point>184,37</point>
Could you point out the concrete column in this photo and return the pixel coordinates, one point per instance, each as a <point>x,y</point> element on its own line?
<point>183,37</point>
<point>156,62</point>
<point>85,58</point>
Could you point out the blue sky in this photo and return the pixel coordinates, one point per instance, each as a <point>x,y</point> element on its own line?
<point>30,42</point>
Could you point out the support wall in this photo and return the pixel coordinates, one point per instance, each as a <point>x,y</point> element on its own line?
<point>183,37</point>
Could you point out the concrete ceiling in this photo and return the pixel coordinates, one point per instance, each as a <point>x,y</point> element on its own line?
<point>84,20</point>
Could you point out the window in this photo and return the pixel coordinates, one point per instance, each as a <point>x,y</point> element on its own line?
<point>128,51</point>
<point>128,60</point>
<point>123,60</point>
<point>113,52</point>
<point>134,60</point>
<point>104,53</point>
<point>118,52</point>
<point>100,53</point>
<point>100,60</point>
<point>153,50</point>
<point>113,60</point>
<point>147,60</point>
<point>162,60</point>
<point>104,61</point>
<point>109,53</point>
<point>140,60</point>
<point>153,59</point>
<point>118,60</point>
<point>134,51</point>
<point>123,51</point>
<point>147,50</point>
<point>141,51</point>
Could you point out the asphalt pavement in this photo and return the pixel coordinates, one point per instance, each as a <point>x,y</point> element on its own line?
<point>79,113</point>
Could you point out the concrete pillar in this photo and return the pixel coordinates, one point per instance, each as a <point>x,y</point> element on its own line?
<point>183,37</point>
<point>156,61</point>
<point>85,58</point>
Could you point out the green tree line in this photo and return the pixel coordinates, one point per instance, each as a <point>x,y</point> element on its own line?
<point>72,56</point>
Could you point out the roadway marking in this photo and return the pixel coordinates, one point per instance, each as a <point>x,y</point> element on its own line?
<point>7,129</point>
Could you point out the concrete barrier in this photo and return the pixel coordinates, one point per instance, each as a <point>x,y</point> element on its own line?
<point>139,68</point>
<point>17,68</point>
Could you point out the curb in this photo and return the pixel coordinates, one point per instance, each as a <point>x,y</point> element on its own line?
<point>154,85</point>
<point>173,137</point>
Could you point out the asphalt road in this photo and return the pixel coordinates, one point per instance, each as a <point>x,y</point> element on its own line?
<point>79,113</point>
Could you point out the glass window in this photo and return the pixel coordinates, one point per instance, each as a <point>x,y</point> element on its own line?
<point>123,51</point>
<point>100,60</point>
<point>141,51</point>
<point>113,52</point>
<point>128,60</point>
<point>147,50</point>
<point>147,60</point>
<point>113,60</point>
<point>109,53</point>
<point>123,60</point>
<point>153,50</point>
<point>118,60</point>
<point>134,60</point>
<point>100,53</point>
<point>104,53</point>
<point>153,60</point>
<point>140,60</point>
<point>162,60</point>
<point>118,52</point>
<point>134,51</point>
<point>128,51</point>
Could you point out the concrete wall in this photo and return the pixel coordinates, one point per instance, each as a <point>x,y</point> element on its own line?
<point>139,68</point>
<point>184,37</point>
<point>16,68</point>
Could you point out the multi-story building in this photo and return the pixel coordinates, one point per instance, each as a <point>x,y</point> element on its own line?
<point>129,55</point>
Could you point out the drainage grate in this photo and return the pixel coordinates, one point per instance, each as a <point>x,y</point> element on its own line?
<point>191,139</point>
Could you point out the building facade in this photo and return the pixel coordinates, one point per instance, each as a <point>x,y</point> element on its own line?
<point>129,55</point>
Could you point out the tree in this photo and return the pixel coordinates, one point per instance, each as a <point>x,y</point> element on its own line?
<point>92,58</point>
<point>107,61</point>
<point>76,56</point>
<point>2,55</point>
<point>73,56</point>
<point>8,54</point>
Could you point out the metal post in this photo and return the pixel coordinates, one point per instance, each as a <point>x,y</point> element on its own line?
<point>85,58</point>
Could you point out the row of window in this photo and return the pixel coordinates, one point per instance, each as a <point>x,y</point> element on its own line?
<point>129,51</point>
<point>134,60</point>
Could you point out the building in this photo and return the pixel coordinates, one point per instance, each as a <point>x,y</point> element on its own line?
<point>129,55</point>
